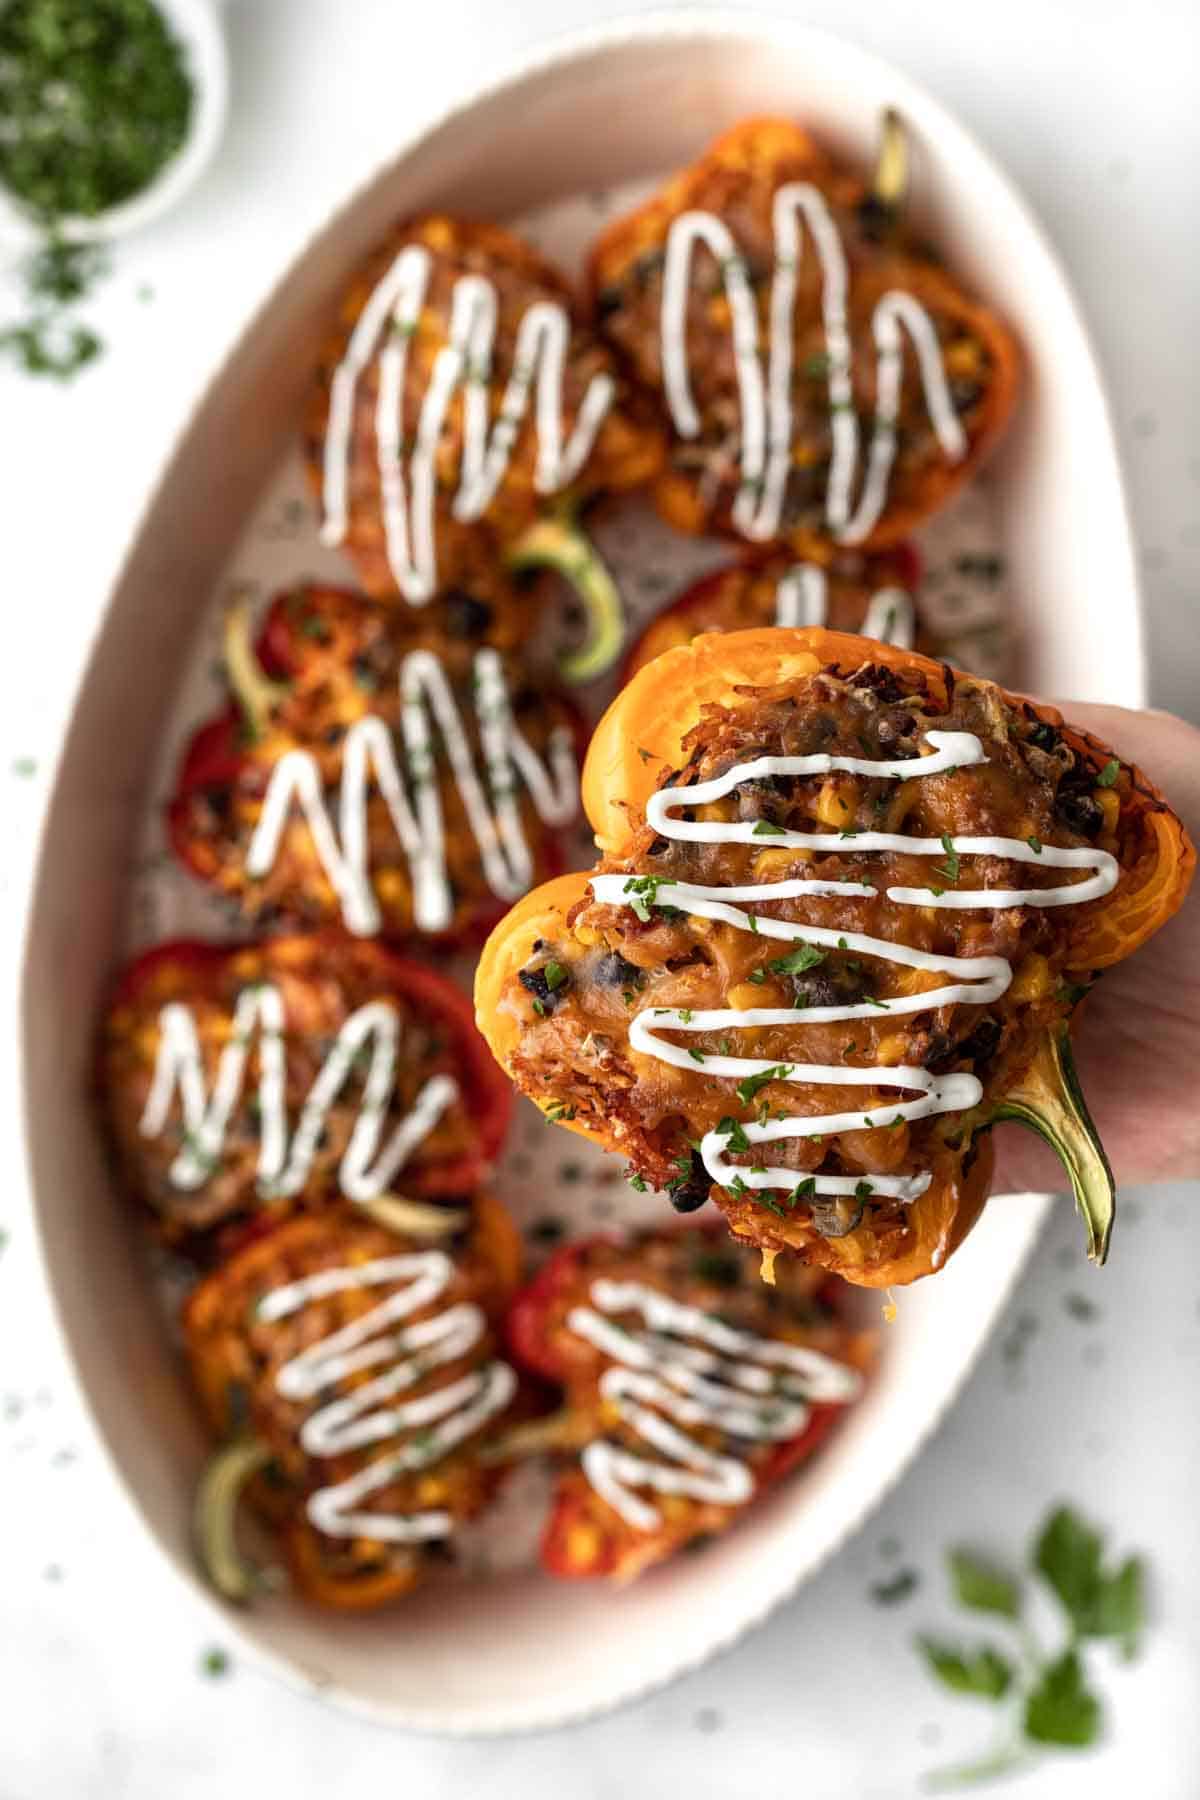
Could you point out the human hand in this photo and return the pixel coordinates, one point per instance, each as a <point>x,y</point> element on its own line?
<point>1137,1036</point>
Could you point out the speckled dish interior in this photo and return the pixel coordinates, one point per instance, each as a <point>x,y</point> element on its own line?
<point>548,147</point>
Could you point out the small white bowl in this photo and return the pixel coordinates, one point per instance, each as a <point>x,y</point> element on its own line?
<point>196,26</point>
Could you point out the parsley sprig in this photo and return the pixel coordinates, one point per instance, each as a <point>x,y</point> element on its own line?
<point>1052,1704</point>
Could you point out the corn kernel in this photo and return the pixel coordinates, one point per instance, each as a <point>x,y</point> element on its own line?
<point>769,862</point>
<point>583,1545</point>
<point>1032,980</point>
<point>1109,802</point>
<point>744,995</point>
<point>891,1049</point>
<point>391,886</point>
<point>836,804</point>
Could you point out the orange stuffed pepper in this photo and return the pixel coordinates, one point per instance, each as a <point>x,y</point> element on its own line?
<point>460,403</point>
<point>828,382</point>
<point>848,903</point>
<point>352,1375</point>
<point>246,1081</point>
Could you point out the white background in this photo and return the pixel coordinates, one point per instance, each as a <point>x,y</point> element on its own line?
<point>1092,106</point>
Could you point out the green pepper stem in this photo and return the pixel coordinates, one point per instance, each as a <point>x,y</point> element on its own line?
<point>562,1430</point>
<point>889,184</point>
<point>214,1520</point>
<point>413,1218</point>
<point>1049,1099</point>
<point>557,542</point>
<point>256,694</point>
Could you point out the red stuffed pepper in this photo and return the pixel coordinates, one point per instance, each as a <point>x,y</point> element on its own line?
<point>351,1373</point>
<point>691,1387</point>
<point>362,774</point>
<point>249,1081</point>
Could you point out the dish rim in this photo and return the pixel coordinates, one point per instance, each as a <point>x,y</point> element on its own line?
<point>661,25</point>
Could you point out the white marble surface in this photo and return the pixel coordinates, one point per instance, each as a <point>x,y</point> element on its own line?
<point>1091,105</point>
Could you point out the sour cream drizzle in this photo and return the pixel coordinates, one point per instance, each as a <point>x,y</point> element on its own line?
<point>748,1386</point>
<point>979,979</point>
<point>493,812</point>
<point>802,599</point>
<point>766,403</point>
<point>393,314</point>
<point>441,1418</point>
<point>372,1030</point>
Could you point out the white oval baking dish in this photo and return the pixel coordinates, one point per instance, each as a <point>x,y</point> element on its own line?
<point>606,107</point>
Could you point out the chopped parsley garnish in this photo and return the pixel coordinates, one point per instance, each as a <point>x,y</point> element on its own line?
<point>951,865</point>
<point>696,1055</point>
<point>644,888</point>
<point>732,1130</point>
<point>1048,1693</point>
<point>764,828</point>
<point>806,956</point>
<point>555,975</point>
<point>751,1085</point>
<point>1035,844</point>
<point>1108,774</point>
<point>757,976</point>
<point>685,1015</point>
<point>637,1182</point>
<point>803,1190</point>
<point>560,1110</point>
<point>863,1190</point>
<point>539,1007</point>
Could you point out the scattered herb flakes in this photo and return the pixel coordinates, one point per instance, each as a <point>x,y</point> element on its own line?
<point>1052,1703</point>
<point>983,1671</point>
<point>1108,774</point>
<point>1061,1709</point>
<point>736,1137</point>
<point>764,828</point>
<point>950,867</point>
<point>796,962</point>
<point>555,975</point>
<point>982,1587</point>
<point>896,1588</point>
<point>1099,1602</point>
<point>750,1085</point>
<point>24,766</point>
<point>1035,844</point>
<point>215,1662</point>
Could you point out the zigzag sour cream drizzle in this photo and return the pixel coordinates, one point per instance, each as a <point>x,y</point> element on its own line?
<point>366,1169</point>
<point>766,401</point>
<point>408,471</point>
<point>415,806</point>
<point>802,598</point>
<point>974,980</point>
<point>697,1371</point>
<point>375,1410</point>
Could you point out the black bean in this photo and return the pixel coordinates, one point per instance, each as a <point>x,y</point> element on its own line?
<point>878,679</point>
<point>977,1048</point>
<point>690,1192</point>
<point>836,986</point>
<point>535,981</point>
<point>1077,807</point>
<point>965,395</point>
<point>465,615</point>
<point>1043,736</point>
<point>609,301</point>
<point>615,971</point>
<point>876,218</point>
